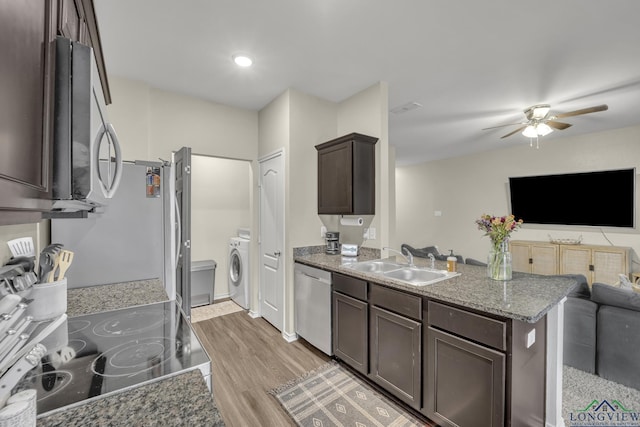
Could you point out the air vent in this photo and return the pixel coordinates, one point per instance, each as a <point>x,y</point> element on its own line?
<point>405,107</point>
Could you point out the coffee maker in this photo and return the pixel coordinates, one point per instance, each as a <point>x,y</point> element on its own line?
<point>333,242</point>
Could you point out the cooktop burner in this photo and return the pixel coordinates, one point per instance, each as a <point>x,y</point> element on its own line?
<point>98,354</point>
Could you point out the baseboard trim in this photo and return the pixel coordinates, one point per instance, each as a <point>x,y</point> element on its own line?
<point>289,337</point>
<point>253,314</point>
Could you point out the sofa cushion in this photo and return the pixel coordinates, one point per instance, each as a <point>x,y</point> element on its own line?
<point>618,345</point>
<point>422,252</point>
<point>610,295</point>
<point>471,261</point>
<point>579,341</point>
<point>582,288</point>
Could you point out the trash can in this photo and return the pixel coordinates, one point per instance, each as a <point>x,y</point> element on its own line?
<point>203,280</point>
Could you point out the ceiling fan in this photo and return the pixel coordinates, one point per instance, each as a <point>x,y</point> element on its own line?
<point>540,121</point>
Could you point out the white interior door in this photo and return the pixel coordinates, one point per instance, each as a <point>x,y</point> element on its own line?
<point>271,239</point>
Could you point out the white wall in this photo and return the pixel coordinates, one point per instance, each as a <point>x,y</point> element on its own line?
<point>298,122</point>
<point>367,112</point>
<point>464,188</point>
<point>220,204</point>
<point>152,123</point>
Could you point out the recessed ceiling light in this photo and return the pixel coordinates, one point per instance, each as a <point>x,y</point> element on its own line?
<point>242,60</point>
<point>405,107</point>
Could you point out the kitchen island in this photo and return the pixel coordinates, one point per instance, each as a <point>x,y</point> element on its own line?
<point>496,345</point>
<point>181,399</point>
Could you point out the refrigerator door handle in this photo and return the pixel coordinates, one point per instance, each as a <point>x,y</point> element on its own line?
<point>179,235</point>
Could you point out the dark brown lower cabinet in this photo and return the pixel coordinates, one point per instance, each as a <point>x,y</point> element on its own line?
<point>465,383</point>
<point>395,354</point>
<point>350,337</point>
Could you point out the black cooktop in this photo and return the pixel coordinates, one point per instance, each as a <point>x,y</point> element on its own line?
<point>98,354</point>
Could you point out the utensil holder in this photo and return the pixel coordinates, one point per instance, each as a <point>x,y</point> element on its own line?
<point>49,300</point>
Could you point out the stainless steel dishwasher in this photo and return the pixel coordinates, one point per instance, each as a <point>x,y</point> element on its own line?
<point>312,293</point>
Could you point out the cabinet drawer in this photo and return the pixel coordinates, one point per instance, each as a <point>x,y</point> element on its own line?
<point>478,328</point>
<point>351,286</point>
<point>396,301</point>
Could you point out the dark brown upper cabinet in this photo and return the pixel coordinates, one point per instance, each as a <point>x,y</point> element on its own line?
<point>28,29</point>
<point>347,175</point>
<point>77,21</point>
<point>27,32</point>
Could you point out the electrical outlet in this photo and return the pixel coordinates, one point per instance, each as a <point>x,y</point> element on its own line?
<point>323,231</point>
<point>531,338</point>
<point>372,233</point>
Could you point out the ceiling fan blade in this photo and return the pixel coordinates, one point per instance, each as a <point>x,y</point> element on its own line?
<point>595,109</point>
<point>558,125</point>
<point>501,126</point>
<point>520,129</point>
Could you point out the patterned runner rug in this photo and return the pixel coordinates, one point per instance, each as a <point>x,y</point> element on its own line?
<point>333,396</point>
<point>198,314</point>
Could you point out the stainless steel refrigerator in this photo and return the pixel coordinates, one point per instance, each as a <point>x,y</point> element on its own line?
<point>143,232</point>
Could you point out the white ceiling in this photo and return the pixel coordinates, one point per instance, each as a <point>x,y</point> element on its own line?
<point>471,64</point>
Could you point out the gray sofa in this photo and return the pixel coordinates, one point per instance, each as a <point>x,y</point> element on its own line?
<point>602,332</point>
<point>424,253</point>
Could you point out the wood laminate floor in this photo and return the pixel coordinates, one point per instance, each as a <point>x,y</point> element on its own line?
<point>249,357</point>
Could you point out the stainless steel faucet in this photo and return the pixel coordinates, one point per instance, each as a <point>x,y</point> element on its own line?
<point>408,257</point>
<point>433,261</point>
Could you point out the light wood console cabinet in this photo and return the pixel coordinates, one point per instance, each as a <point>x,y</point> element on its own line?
<point>600,264</point>
<point>534,257</point>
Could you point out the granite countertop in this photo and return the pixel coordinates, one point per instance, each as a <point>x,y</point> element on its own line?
<point>94,299</point>
<point>182,400</point>
<point>527,297</point>
<point>179,400</point>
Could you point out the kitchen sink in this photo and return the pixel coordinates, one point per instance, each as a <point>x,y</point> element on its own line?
<point>416,276</point>
<point>376,266</point>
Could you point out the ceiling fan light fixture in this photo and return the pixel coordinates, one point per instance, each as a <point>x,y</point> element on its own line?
<point>530,131</point>
<point>543,129</point>
<point>540,111</point>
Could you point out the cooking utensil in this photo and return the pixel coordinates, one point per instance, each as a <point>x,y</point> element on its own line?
<point>22,246</point>
<point>38,335</point>
<point>8,304</point>
<point>65,259</point>
<point>52,273</point>
<point>16,372</point>
<point>45,265</point>
<point>31,278</point>
<point>23,338</point>
<point>20,283</point>
<point>9,320</point>
<point>27,263</point>
<point>46,260</point>
<point>13,341</point>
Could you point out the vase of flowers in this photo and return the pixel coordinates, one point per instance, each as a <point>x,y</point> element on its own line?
<point>499,229</point>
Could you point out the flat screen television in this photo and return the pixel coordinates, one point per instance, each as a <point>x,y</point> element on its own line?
<point>597,199</point>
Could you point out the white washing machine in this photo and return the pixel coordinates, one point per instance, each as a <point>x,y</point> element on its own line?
<point>239,271</point>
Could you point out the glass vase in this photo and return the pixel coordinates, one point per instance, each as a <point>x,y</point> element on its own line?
<point>499,262</point>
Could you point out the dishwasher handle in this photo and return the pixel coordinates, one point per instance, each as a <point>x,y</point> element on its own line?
<point>315,274</point>
<point>328,282</point>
